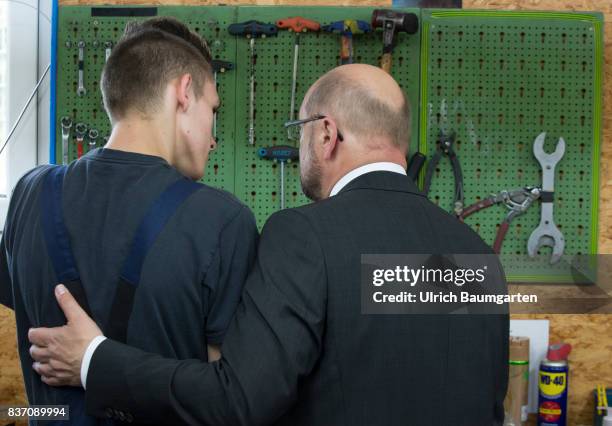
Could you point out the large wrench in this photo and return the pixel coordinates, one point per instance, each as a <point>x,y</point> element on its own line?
<point>547,233</point>
<point>66,123</point>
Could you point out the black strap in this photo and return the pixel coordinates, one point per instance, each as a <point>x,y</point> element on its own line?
<point>160,211</point>
<point>547,196</point>
<point>60,251</point>
<point>56,236</point>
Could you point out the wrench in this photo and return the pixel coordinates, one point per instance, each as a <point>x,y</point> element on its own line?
<point>108,47</point>
<point>80,130</point>
<point>92,135</point>
<point>66,123</point>
<point>547,233</point>
<point>81,89</point>
<point>252,93</point>
<point>219,66</point>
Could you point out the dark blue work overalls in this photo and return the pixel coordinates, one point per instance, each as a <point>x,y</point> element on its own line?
<point>59,249</point>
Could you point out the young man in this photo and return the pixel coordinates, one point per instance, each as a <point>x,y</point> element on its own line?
<point>159,260</point>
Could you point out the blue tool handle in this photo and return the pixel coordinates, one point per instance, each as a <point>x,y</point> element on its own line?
<point>222,66</point>
<point>253,29</point>
<point>280,153</point>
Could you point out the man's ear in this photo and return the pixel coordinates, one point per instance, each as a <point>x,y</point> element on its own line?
<point>184,92</point>
<point>330,138</point>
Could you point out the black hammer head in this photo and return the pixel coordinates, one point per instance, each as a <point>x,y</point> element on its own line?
<point>392,21</point>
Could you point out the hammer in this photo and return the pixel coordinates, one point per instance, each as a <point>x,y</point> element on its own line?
<point>347,29</point>
<point>392,22</point>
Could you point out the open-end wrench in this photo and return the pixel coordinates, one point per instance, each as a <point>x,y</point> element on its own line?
<point>80,130</point>
<point>92,135</point>
<point>108,47</point>
<point>66,123</point>
<point>81,89</point>
<point>219,66</point>
<point>547,233</point>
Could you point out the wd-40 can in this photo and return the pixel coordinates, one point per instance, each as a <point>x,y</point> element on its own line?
<point>553,386</point>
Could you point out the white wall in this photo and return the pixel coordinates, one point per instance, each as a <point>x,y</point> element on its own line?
<point>29,39</point>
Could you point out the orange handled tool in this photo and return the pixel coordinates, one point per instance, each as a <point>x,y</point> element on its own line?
<point>298,25</point>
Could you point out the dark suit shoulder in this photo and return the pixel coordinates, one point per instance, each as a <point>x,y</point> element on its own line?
<point>463,238</point>
<point>358,208</point>
<point>292,220</point>
<point>216,205</point>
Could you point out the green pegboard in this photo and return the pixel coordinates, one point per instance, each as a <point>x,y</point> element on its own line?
<point>498,79</point>
<point>77,23</point>
<point>235,166</point>
<point>259,179</point>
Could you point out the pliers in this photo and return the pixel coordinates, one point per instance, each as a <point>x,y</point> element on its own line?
<point>517,201</point>
<point>445,148</point>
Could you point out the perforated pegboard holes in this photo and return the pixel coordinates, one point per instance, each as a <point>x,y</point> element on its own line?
<point>499,81</point>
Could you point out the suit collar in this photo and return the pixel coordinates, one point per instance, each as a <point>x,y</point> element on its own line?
<point>383,180</point>
<point>366,168</point>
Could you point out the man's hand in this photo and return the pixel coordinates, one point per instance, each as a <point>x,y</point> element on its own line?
<point>58,352</point>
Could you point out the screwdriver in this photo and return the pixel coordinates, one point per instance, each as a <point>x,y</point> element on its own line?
<point>281,154</point>
<point>298,25</point>
<point>251,30</point>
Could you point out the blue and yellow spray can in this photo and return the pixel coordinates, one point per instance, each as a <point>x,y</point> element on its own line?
<point>553,385</point>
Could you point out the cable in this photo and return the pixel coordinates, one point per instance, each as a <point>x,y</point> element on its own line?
<point>8,138</point>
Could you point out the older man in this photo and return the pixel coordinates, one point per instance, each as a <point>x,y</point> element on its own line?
<point>299,351</point>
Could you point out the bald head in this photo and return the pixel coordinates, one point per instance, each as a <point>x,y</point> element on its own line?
<point>365,100</point>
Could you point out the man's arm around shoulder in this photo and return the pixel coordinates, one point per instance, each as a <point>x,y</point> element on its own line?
<point>274,340</point>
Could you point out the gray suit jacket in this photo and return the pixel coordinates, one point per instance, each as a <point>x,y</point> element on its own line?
<point>299,351</point>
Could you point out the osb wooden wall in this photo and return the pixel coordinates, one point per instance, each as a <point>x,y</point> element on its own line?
<point>591,336</point>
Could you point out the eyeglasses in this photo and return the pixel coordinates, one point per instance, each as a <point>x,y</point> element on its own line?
<point>295,127</point>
